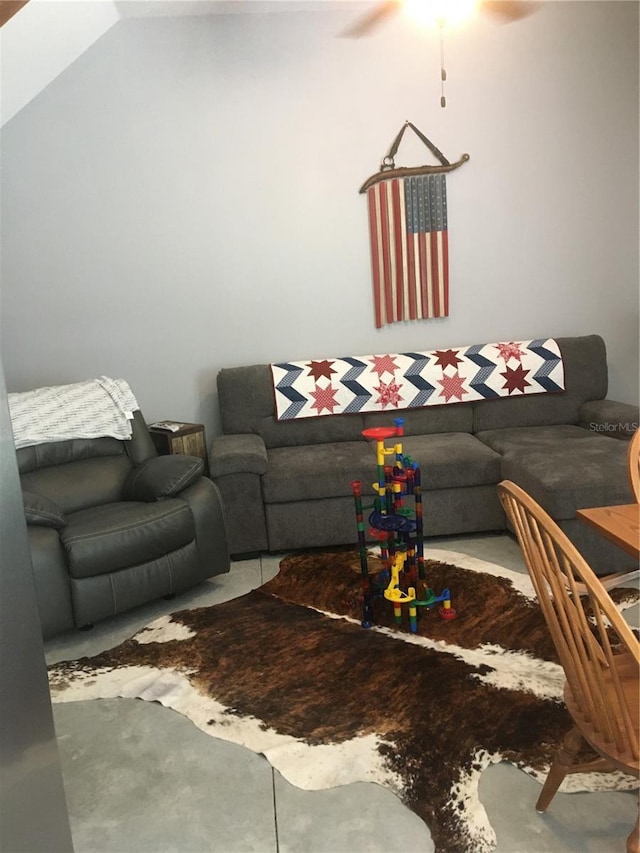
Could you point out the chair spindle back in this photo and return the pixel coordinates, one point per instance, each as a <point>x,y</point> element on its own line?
<point>596,647</point>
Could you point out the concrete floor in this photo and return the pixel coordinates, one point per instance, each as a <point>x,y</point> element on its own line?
<point>140,778</point>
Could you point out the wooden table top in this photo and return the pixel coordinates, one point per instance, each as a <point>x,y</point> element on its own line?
<point>620,524</point>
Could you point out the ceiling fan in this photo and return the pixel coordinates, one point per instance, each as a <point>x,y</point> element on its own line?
<point>502,11</point>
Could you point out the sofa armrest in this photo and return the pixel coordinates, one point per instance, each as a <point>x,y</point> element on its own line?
<point>238,454</point>
<point>162,477</point>
<point>42,512</point>
<point>610,418</point>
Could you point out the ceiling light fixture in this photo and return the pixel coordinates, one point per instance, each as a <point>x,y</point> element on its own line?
<point>443,13</point>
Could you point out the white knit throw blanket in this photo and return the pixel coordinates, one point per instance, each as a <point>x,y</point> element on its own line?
<point>94,408</point>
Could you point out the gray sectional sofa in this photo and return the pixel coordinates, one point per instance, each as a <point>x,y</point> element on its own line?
<point>287,485</point>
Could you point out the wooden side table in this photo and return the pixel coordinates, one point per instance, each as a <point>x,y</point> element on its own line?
<point>187,439</point>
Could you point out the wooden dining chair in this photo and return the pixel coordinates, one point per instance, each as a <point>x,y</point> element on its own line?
<point>598,651</point>
<point>633,464</point>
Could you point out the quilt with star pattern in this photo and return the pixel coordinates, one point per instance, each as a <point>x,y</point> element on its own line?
<point>410,380</point>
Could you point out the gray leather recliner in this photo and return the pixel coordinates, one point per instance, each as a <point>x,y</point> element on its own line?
<point>112,525</point>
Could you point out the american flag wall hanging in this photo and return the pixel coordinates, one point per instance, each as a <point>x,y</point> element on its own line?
<point>409,236</point>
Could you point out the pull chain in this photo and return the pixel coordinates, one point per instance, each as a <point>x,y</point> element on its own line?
<point>443,73</point>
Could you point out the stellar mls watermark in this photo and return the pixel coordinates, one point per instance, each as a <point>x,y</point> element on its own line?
<point>625,428</point>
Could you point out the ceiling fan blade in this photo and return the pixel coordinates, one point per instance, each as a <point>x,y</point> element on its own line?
<point>507,11</point>
<point>365,25</point>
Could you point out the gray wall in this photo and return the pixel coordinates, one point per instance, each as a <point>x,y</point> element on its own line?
<point>185,196</point>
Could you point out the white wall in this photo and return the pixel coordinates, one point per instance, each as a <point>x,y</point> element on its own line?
<point>185,196</point>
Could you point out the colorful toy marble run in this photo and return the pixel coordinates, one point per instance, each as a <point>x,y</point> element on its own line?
<point>401,576</point>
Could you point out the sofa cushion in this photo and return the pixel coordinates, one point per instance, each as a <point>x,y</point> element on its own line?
<point>451,460</point>
<point>580,474</point>
<point>245,396</point>
<point>552,439</point>
<point>318,471</point>
<point>454,417</point>
<point>80,484</point>
<point>321,430</point>
<point>63,452</point>
<point>118,535</point>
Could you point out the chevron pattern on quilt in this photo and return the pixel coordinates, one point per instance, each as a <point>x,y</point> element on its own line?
<point>391,382</point>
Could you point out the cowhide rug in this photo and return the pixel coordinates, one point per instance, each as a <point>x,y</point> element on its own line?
<point>287,671</point>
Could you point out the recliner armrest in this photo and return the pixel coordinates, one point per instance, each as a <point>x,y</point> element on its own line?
<point>610,418</point>
<point>162,477</point>
<point>238,454</point>
<point>42,512</point>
